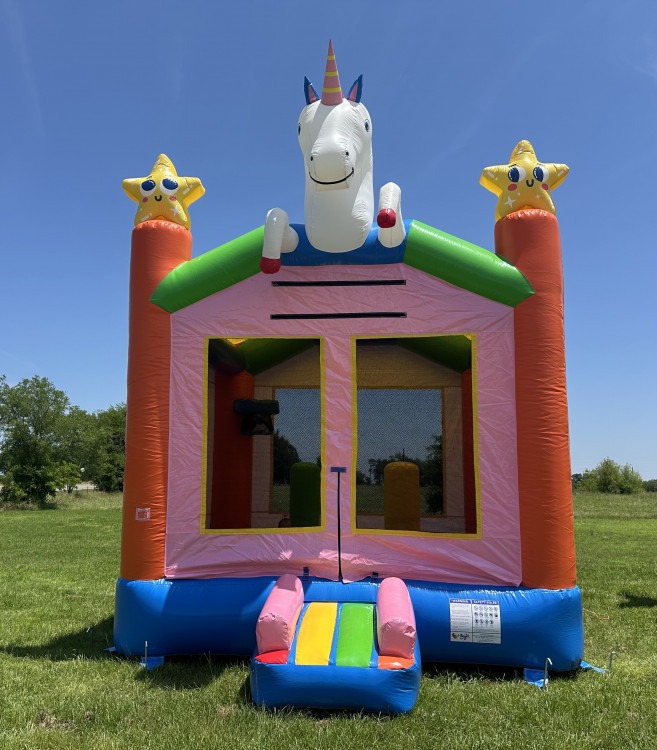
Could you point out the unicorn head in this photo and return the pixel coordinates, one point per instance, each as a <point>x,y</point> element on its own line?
<point>335,135</point>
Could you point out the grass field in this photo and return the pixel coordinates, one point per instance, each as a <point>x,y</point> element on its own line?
<point>59,688</point>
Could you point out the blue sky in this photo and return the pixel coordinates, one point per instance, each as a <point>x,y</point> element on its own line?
<point>90,98</point>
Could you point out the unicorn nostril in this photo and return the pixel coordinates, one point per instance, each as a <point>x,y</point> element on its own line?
<point>311,158</point>
<point>346,153</point>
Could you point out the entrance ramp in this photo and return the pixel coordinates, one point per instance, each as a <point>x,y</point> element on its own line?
<point>337,654</point>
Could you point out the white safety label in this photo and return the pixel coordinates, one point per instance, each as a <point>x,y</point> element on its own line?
<point>475,621</point>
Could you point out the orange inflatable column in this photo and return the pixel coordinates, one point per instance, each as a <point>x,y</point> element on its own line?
<point>157,248</point>
<point>530,240</point>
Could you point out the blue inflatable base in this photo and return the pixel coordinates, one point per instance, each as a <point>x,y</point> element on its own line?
<point>504,626</point>
<point>369,689</point>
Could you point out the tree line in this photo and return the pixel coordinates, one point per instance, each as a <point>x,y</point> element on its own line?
<point>609,477</point>
<point>48,445</point>
<point>431,468</point>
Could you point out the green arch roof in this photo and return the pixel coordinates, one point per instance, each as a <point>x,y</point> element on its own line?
<point>442,255</point>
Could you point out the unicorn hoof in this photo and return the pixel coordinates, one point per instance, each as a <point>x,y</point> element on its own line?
<point>270,265</point>
<point>386,218</point>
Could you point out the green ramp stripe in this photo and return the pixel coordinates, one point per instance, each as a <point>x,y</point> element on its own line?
<point>465,265</point>
<point>355,636</point>
<point>210,273</point>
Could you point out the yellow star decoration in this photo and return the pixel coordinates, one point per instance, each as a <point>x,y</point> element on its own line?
<point>162,194</point>
<point>524,182</point>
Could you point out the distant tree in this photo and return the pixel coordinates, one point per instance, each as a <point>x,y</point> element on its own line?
<point>106,462</point>
<point>376,467</point>
<point>77,444</point>
<point>32,429</point>
<point>576,480</point>
<point>47,445</point>
<point>431,474</point>
<point>362,477</point>
<point>612,478</point>
<point>650,485</point>
<point>285,454</point>
<point>433,464</point>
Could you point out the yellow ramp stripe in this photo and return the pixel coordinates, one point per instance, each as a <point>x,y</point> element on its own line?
<point>316,633</point>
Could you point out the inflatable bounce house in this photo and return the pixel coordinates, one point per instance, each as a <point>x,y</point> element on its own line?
<point>347,439</point>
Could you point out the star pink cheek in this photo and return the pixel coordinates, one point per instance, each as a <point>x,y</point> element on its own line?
<point>144,200</point>
<point>172,197</point>
<point>512,186</point>
<point>545,186</point>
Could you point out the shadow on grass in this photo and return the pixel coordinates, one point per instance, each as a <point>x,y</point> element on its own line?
<point>181,672</point>
<point>90,643</point>
<point>194,672</point>
<point>636,600</point>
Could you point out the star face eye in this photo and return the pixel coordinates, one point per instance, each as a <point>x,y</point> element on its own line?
<point>147,187</point>
<point>541,173</point>
<point>168,186</point>
<point>516,174</point>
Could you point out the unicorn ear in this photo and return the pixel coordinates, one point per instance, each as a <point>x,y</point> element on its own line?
<point>356,90</point>
<point>309,91</point>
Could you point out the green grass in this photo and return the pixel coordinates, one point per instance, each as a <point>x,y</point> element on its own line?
<point>369,499</point>
<point>59,688</point>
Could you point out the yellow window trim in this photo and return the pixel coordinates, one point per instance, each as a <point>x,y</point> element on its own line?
<point>204,468</point>
<point>475,438</point>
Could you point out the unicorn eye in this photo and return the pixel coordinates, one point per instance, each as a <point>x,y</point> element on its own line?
<point>516,174</point>
<point>168,186</point>
<point>299,128</point>
<point>147,187</point>
<point>541,173</point>
<point>367,126</point>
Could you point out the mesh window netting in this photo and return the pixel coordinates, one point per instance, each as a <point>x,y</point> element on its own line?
<point>297,439</point>
<point>398,425</point>
<point>264,434</point>
<point>414,461</point>
<point>413,466</point>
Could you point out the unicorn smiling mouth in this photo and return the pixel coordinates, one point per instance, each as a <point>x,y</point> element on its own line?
<point>334,182</point>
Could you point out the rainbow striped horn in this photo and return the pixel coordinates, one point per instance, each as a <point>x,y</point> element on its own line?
<point>332,91</point>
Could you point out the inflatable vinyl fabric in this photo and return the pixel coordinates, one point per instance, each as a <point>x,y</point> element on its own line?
<point>335,136</point>
<point>331,591</point>
<point>327,654</point>
<point>220,616</point>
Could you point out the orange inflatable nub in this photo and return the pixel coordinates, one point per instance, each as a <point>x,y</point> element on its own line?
<point>157,248</point>
<point>530,240</point>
